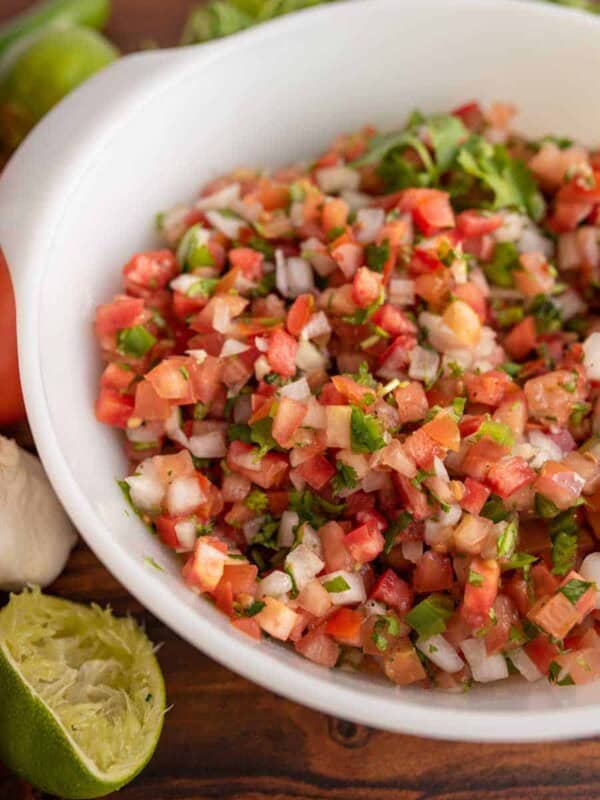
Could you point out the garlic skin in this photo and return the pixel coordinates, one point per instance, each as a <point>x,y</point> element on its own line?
<point>36,536</point>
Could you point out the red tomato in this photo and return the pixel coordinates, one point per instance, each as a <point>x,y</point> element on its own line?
<point>471,294</point>
<point>365,543</point>
<point>393,320</point>
<point>475,496</point>
<point>488,388</point>
<point>443,430</point>
<point>471,115</point>
<point>316,471</point>
<point>480,595</point>
<point>517,589</point>
<point>481,456</point>
<point>366,287</point>
<point>396,358</point>
<point>422,448</point>
<point>522,339</point>
<point>473,223</point>
<point>223,595</point>
<point>171,379</point>
<point>335,214</point>
<point>412,402</point>
<point>116,377</point>
<point>543,581</point>
<point>151,270</point>
<point>559,484</point>
<point>318,647</point>
<point>268,472</point>
<point>249,626</point>
<point>553,395</point>
<point>505,615</point>
<point>433,573</point>
<point>12,407</point>
<point>166,530</point>
<point>299,313</point>
<point>288,419</point>
<point>114,408</point>
<point>508,476</point>
<point>248,261</point>
<point>345,626</point>
<point>148,405</point>
<point>542,652</point>
<point>401,663</point>
<point>335,553</point>
<point>413,498</point>
<point>431,211</point>
<point>281,354</point>
<point>393,591</point>
<point>123,312</point>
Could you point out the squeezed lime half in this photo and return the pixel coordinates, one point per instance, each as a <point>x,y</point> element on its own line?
<point>82,697</point>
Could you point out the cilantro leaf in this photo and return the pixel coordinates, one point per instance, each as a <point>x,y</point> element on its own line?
<point>499,270</point>
<point>345,477</point>
<point>365,432</point>
<point>260,434</point>
<point>256,501</point>
<point>253,609</point>
<point>564,550</point>
<point>377,255</point>
<point>336,585</point>
<point>397,526</point>
<point>575,589</point>
<point>447,134</point>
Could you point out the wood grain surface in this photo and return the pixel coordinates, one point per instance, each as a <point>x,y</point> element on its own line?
<point>228,739</point>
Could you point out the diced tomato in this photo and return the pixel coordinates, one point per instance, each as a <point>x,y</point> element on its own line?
<point>393,591</point>
<point>268,472</point>
<point>481,456</point>
<point>401,663</point>
<point>317,471</point>
<point>242,578</point>
<point>567,216</point>
<point>123,312</point>
<point>433,573</point>
<point>542,580</point>
<point>431,210</point>
<point>413,498</point>
<point>558,483</point>
<point>335,553</point>
<point>471,115</point>
<point>471,294</point>
<point>480,594</point>
<point>504,617</point>
<point>473,223</point>
<point>171,380</point>
<point>345,626</point>
<point>317,646</point>
<point>288,419</point>
<point>117,376</point>
<point>248,261</point>
<point>517,588</point>
<point>166,530</point>
<point>151,270</point>
<point>422,448</point>
<point>522,339</point>
<point>276,619</point>
<point>542,652</point>
<point>557,614</point>
<point>148,405</point>
<point>248,626</point>
<point>475,496</point>
<point>299,313</point>
<point>488,388</point>
<point>281,354</point>
<point>535,277</point>
<point>395,359</point>
<point>444,430</point>
<point>552,396</point>
<point>335,214</point>
<point>204,568</point>
<point>508,476</point>
<point>411,401</point>
<point>366,287</point>
<point>365,543</point>
<point>172,466</point>
<point>114,408</point>
<point>223,595</point>
<point>582,666</point>
<point>393,320</point>
<point>425,262</point>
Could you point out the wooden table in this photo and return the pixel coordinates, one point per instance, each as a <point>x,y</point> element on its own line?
<point>226,738</point>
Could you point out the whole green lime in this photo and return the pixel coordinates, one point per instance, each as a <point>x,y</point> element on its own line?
<point>36,76</point>
<point>83,697</point>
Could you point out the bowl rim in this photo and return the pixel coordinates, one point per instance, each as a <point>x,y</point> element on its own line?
<point>231,649</point>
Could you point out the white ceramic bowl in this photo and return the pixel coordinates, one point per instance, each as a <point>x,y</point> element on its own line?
<point>80,195</point>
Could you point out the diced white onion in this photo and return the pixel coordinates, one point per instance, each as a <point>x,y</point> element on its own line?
<point>402,292</point>
<point>412,550</point>
<point>228,226</point>
<point>591,357</point>
<point>356,200</point>
<point>590,570</point>
<point>424,364</point>
<point>289,521</point>
<point>208,445</point>
<point>146,433</point>
<point>524,664</point>
<point>440,468</point>
<point>183,283</point>
<point>311,539</point>
<point>198,355</point>
<point>184,495</point>
<point>337,179</point>
<point>309,357</point>
<point>569,304</point>
<point>146,492</point>
<point>221,199</point>
<point>252,527</point>
<point>317,325</point>
<point>298,390</point>
<point>441,653</point>
<point>281,274</point>
<point>369,222</point>
<point>231,347</point>
<point>297,480</point>
<point>222,315</point>
<point>355,593</point>
<point>484,668</point>
<point>261,368</point>
<point>532,241</point>
<point>186,534</point>
<point>440,335</point>
<point>374,608</point>
<point>374,481</point>
<point>546,449</point>
<point>304,565</point>
<point>275,584</point>
<point>300,277</point>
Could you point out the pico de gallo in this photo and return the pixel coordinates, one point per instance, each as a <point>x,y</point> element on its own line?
<point>361,397</point>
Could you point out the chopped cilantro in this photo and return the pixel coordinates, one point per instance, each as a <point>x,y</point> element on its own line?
<point>203,287</point>
<point>264,286</point>
<point>377,255</point>
<point>429,616</point>
<point>135,341</point>
<point>494,509</point>
<point>505,317</point>
<point>365,432</point>
<point>397,526</point>
<point>344,478</point>
<point>384,626</point>
<point>336,585</point>
<point>151,562</point>
<point>262,246</point>
<point>565,522</point>
<point>505,260</point>
<point>507,541</point>
<point>253,609</point>
<point>520,561</point>
<point>553,671</point>
<point>574,590</point>
<point>256,501</point>
<point>564,550</point>
<point>566,681</point>
<point>545,508</point>
<point>475,578</point>
<point>239,432</point>
<point>496,431</point>
<point>312,508</point>
<point>511,368</point>
<point>547,316</point>
<point>260,434</point>
<point>516,635</point>
<point>362,315</point>
<point>200,410</point>
<point>578,414</point>
<point>364,377</point>
<point>267,533</point>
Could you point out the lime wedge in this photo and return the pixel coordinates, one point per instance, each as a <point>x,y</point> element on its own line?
<point>82,696</point>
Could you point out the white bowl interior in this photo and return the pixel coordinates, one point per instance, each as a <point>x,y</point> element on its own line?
<point>268,98</point>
